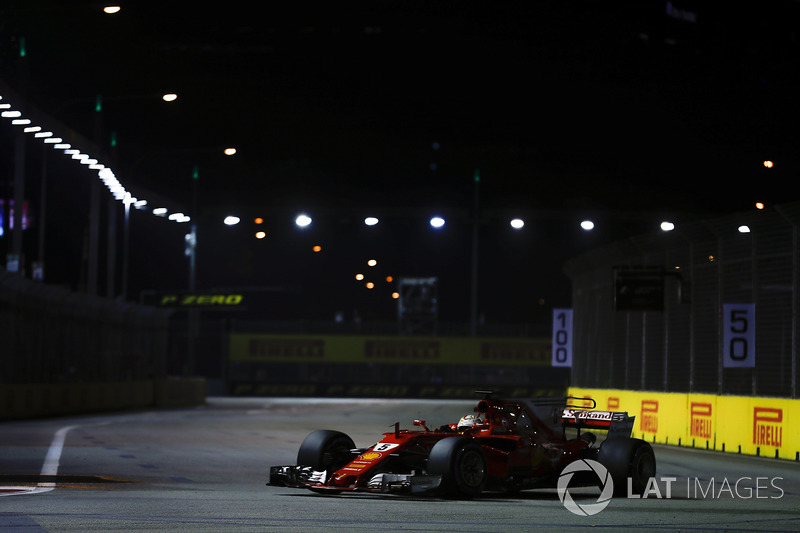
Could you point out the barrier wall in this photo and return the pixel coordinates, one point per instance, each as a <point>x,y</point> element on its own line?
<point>259,348</point>
<point>767,427</point>
<point>48,400</point>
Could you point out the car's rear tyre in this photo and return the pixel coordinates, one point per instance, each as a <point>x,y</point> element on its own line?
<point>462,465</point>
<point>325,449</point>
<point>626,458</point>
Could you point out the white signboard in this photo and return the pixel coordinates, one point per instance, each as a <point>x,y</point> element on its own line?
<point>739,335</point>
<point>562,337</point>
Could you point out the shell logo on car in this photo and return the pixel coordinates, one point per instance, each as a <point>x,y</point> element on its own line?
<point>369,456</point>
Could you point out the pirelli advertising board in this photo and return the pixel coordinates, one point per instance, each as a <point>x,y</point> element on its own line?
<point>253,348</point>
<point>750,425</point>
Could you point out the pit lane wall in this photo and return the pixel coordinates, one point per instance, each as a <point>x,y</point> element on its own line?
<point>767,427</point>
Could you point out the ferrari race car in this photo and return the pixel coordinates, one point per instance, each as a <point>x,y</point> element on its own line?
<point>509,445</point>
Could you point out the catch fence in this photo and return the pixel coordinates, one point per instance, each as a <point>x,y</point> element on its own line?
<point>691,309</point>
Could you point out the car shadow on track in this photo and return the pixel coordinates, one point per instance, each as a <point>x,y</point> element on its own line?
<point>503,497</point>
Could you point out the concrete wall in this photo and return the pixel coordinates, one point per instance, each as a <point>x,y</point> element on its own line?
<point>19,401</point>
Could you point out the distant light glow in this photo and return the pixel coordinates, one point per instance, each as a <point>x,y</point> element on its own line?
<point>744,229</point>
<point>169,97</point>
<point>303,220</point>
<point>372,262</point>
<point>110,10</point>
<point>261,234</point>
<point>396,295</point>
<point>230,151</point>
<point>179,217</point>
<point>760,205</point>
<point>517,223</point>
<point>370,285</point>
<point>437,222</point>
<point>371,221</point>
<point>587,225</point>
<point>160,211</point>
<point>231,220</point>
<point>258,220</point>
<point>317,248</point>
<point>359,277</point>
<point>667,226</point>
<point>769,164</point>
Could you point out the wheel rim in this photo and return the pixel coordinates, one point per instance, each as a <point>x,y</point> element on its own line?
<point>335,454</point>
<point>472,468</point>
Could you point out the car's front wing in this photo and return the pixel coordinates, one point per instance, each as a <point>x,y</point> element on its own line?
<point>305,477</point>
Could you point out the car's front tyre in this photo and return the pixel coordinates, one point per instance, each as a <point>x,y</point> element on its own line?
<point>462,465</point>
<point>325,449</point>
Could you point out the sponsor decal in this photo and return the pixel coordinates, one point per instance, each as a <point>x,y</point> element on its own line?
<point>576,414</point>
<point>286,348</point>
<point>601,419</point>
<point>700,420</point>
<point>649,423</point>
<point>768,426</point>
<point>613,403</point>
<point>370,456</point>
<point>394,350</point>
<point>355,467</point>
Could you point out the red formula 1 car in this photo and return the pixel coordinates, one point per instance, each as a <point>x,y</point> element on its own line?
<point>509,445</point>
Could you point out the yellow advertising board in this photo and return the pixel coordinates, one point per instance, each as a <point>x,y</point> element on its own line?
<point>254,348</point>
<point>738,424</point>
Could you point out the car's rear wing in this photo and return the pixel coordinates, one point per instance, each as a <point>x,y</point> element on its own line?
<point>617,423</point>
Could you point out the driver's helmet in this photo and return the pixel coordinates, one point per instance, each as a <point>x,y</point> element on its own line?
<point>467,422</point>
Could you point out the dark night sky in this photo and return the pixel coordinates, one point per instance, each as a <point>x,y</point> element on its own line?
<point>564,107</point>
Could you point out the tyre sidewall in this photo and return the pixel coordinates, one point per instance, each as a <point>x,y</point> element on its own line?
<point>628,458</point>
<point>462,465</point>
<point>325,449</point>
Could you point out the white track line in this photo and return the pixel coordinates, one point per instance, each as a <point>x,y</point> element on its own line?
<point>49,468</point>
<point>51,461</point>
